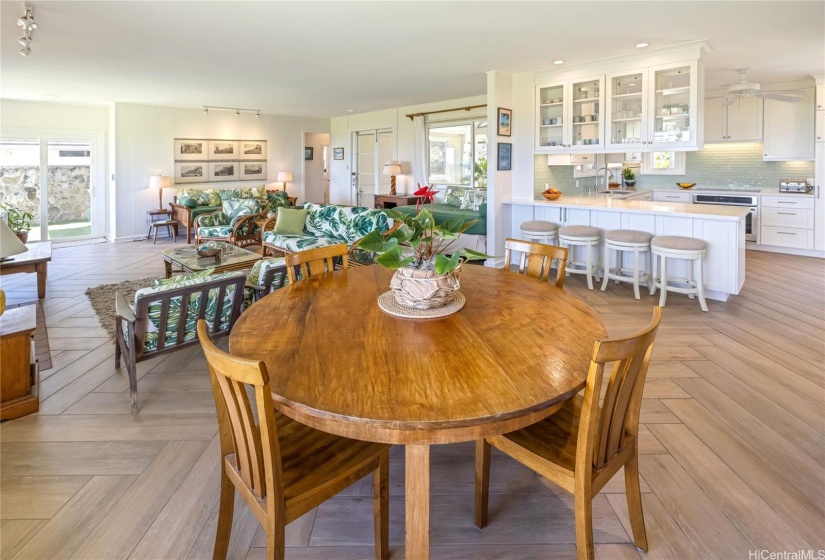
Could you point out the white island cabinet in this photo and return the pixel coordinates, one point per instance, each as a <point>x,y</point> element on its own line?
<point>722,227</point>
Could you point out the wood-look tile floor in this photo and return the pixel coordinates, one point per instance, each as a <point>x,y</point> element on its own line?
<point>733,440</point>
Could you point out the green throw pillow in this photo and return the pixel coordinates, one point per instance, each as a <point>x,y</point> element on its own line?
<point>184,278</point>
<point>188,201</point>
<point>291,221</point>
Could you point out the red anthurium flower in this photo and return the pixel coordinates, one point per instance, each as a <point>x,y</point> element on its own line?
<point>425,192</point>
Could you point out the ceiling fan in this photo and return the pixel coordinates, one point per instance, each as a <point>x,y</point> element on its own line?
<point>745,89</point>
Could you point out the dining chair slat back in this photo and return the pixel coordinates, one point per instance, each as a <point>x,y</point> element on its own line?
<point>536,259</point>
<point>315,262</point>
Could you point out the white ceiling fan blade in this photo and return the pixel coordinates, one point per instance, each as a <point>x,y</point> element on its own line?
<point>730,99</point>
<point>781,96</point>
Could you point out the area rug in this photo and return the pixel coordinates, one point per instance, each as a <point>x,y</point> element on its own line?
<point>103,299</point>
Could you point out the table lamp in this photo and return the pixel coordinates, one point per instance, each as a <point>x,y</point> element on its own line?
<point>284,177</point>
<point>160,182</point>
<point>10,244</point>
<point>392,168</point>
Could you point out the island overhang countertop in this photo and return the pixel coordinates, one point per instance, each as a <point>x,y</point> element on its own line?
<point>707,211</point>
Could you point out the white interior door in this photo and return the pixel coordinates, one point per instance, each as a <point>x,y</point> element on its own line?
<point>373,149</point>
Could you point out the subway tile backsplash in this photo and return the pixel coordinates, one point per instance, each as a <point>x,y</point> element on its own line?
<point>732,166</point>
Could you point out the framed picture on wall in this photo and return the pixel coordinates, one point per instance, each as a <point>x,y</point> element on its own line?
<point>223,150</point>
<point>223,170</point>
<point>252,149</point>
<point>338,153</point>
<point>191,150</point>
<point>505,157</point>
<point>308,153</point>
<point>251,170</point>
<point>505,116</point>
<point>191,172</point>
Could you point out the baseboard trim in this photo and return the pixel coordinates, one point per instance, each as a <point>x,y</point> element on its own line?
<point>786,250</point>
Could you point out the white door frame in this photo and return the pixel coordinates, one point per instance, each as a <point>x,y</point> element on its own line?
<point>304,162</point>
<point>97,172</point>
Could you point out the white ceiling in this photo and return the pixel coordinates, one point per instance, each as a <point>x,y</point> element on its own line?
<point>324,58</point>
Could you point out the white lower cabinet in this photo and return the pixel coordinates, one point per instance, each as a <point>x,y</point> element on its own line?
<point>787,221</point>
<point>668,196</point>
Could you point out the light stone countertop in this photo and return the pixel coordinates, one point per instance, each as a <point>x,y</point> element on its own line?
<point>706,211</point>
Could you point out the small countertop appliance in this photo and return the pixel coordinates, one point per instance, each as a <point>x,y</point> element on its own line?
<point>794,186</point>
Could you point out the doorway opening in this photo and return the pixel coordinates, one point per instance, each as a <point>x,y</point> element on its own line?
<point>316,177</point>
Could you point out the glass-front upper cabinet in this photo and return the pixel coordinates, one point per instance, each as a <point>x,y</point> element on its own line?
<point>570,116</point>
<point>674,104</point>
<point>627,113</point>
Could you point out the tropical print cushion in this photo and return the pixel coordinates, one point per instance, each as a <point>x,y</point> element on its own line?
<point>214,198</point>
<point>453,195</point>
<point>193,309</point>
<point>212,220</point>
<point>295,243</point>
<point>215,231</point>
<point>347,224</point>
<point>237,208</point>
<point>228,194</point>
<point>473,199</point>
<point>256,276</point>
<point>182,279</point>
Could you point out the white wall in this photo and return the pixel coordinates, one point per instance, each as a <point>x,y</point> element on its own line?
<point>314,170</point>
<point>499,183</point>
<point>343,127</point>
<point>52,116</point>
<point>144,144</point>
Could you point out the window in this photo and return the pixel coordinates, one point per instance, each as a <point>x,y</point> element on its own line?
<point>458,154</point>
<point>663,163</point>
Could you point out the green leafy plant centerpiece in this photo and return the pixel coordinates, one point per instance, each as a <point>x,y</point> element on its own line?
<point>419,251</point>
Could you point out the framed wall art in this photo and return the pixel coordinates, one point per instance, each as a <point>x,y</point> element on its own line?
<point>505,117</point>
<point>221,150</point>
<point>251,170</point>
<point>505,156</point>
<point>309,151</point>
<point>191,150</point>
<point>338,153</point>
<point>223,170</point>
<point>252,149</point>
<point>191,172</point>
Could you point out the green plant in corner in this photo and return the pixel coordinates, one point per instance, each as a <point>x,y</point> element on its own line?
<point>424,239</point>
<point>19,221</point>
<point>480,174</point>
<point>628,175</point>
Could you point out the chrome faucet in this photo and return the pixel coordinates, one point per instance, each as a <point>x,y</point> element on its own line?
<point>607,176</point>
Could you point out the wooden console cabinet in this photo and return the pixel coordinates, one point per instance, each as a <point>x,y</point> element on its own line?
<point>18,375</point>
<point>387,201</point>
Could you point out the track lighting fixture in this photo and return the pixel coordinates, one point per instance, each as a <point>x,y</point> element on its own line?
<point>28,25</point>
<point>236,110</point>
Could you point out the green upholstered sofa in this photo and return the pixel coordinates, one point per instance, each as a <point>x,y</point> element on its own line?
<point>458,201</point>
<point>330,224</point>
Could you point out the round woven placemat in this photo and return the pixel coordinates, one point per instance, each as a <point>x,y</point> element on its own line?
<point>387,303</point>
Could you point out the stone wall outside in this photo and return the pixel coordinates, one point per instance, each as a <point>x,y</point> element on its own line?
<point>68,187</point>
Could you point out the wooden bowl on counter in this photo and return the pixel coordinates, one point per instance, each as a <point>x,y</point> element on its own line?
<point>686,185</point>
<point>551,196</point>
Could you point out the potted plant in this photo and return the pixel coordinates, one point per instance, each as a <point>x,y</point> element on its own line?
<point>20,222</point>
<point>425,277</point>
<point>629,177</point>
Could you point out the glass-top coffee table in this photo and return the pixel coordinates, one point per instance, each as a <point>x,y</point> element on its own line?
<point>186,259</point>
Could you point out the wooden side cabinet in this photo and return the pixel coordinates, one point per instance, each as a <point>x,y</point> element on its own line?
<point>18,373</point>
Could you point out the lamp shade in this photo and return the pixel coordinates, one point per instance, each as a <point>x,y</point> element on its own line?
<point>160,181</point>
<point>392,168</point>
<point>284,176</point>
<point>10,244</point>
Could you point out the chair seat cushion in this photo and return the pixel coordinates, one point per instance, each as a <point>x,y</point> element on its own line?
<point>215,231</point>
<point>295,243</point>
<point>678,243</point>
<point>538,226</point>
<point>580,231</point>
<point>628,236</point>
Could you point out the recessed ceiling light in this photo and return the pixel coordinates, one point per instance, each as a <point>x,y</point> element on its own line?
<point>350,111</point>
<point>49,96</point>
<point>642,45</point>
<point>558,62</point>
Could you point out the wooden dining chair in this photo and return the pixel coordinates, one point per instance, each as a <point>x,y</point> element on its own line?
<point>281,468</point>
<point>315,261</point>
<point>583,445</point>
<point>536,259</point>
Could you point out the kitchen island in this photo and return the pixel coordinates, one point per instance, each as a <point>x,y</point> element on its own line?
<point>722,227</point>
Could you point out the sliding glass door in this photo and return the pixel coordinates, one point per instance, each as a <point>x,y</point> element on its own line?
<point>54,178</point>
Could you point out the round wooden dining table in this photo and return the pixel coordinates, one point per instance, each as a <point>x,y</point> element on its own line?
<point>518,349</point>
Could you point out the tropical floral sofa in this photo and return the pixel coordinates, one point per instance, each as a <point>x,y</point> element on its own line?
<point>330,224</point>
<point>233,223</point>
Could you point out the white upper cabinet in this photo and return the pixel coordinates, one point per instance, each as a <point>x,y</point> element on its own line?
<point>741,121</point>
<point>569,116</point>
<point>820,97</point>
<point>627,112</point>
<point>675,105</point>
<point>820,126</point>
<point>789,129</point>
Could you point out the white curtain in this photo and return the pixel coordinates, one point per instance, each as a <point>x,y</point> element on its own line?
<point>419,163</point>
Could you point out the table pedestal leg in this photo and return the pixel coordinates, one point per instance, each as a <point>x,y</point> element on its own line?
<point>417,496</point>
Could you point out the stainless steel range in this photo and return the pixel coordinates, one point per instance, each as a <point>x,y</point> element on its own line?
<point>751,202</point>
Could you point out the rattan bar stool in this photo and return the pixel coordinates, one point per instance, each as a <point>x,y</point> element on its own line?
<point>582,236</point>
<point>540,232</point>
<point>630,241</point>
<point>675,247</point>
